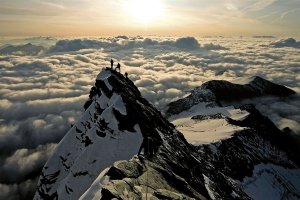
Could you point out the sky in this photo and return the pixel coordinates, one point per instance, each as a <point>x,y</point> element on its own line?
<point>145,17</point>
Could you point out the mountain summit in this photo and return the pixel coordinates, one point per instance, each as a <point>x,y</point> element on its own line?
<point>216,91</point>
<point>97,159</point>
<point>113,127</point>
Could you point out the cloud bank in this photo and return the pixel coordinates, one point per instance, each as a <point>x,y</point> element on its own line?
<point>126,43</point>
<point>289,42</point>
<point>41,96</point>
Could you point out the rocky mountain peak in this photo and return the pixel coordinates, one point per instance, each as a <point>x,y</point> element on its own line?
<point>216,91</point>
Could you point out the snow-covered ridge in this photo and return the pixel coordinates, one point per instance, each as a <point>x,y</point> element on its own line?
<point>216,91</point>
<point>93,144</point>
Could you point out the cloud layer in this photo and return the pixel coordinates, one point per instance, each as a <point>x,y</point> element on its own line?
<point>41,96</point>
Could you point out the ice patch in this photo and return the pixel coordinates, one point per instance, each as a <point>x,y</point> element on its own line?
<point>198,132</point>
<point>205,109</point>
<point>205,132</point>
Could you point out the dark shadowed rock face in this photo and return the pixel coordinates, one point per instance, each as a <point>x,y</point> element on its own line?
<point>226,91</point>
<point>197,96</point>
<point>216,91</point>
<point>172,168</point>
<point>261,142</point>
<point>91,163</point>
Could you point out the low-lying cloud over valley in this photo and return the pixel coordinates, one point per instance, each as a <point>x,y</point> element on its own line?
<point>44,86</point>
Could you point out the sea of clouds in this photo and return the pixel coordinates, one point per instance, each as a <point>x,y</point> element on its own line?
<point>44,84</point>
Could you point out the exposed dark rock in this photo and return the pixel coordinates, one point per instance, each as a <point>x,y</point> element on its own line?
<point>87,104</point>
<point>236,157</point>
<point>206,117</point>
<point>226,91</point>
<point>48,181</point>
<point>123,169</point>
<point>87,141</point>
<point>81,173</point>
<point>219,90</point>
<point>196,96</point>
<point>100,133</point>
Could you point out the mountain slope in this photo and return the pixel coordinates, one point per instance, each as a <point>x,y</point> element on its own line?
<point>216,91</point>
<point>112,129</point>
<point>93,144</point>
<point>97,157</point>
<point>241,146</point>
<point>259,153</point>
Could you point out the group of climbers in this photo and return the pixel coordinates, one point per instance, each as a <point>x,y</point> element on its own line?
<point>112,65</point>
<point>149,145</point>
<point>117,68</point>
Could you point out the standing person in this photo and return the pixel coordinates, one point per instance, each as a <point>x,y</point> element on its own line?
<point>118,67</point>
<point>126,75</point>
<point>111,63</point>
<point>144,147</point>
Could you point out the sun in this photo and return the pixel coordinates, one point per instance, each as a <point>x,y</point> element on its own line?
<point>145,11</point>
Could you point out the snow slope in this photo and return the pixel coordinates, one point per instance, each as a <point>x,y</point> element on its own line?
<point>93,144</point>
<point>211,129</point>
<point>238,144</point>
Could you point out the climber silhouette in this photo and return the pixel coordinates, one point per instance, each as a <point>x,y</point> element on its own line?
<point>118,67</point>
<point>144,146</point>
<point>111,63</point>
<point>150,147</point>
<point>126,75</point>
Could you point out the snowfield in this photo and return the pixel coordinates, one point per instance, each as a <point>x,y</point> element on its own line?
<point>207,131</point>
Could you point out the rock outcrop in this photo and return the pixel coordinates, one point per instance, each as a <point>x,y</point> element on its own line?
<point>216,91</point>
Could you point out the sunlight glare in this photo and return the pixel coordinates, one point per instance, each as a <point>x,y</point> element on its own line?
<point>145,11</point>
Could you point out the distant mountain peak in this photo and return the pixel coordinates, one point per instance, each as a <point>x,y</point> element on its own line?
<point>23,49</point>
<point>215,91</point>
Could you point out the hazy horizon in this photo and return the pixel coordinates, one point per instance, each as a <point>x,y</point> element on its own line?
<point>156,17</point>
